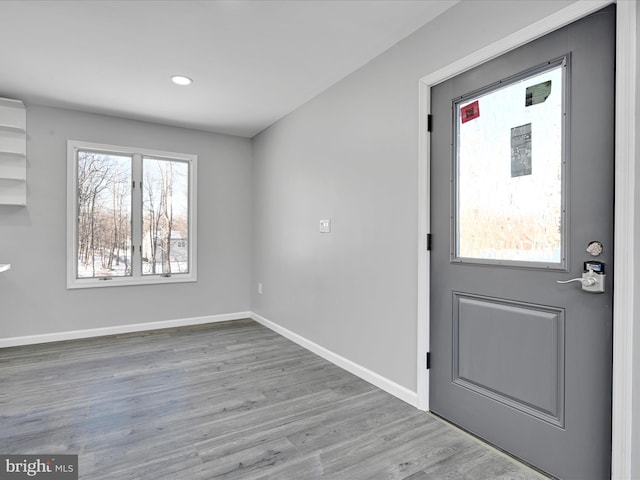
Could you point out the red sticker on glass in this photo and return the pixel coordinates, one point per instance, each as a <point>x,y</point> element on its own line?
<point>469,112</point>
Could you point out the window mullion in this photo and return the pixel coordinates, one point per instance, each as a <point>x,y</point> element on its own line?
<point>136,215</point>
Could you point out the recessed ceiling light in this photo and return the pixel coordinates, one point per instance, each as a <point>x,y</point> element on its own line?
<point>181,80</point>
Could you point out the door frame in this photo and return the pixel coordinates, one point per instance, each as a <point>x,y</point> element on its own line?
<point>624,215</point>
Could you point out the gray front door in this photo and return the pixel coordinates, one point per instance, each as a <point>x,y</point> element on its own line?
<point>522,158</point>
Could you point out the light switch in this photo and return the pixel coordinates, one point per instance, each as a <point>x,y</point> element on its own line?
<point>325,226</point>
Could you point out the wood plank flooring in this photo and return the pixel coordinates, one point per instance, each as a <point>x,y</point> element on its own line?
<point>229,400</point>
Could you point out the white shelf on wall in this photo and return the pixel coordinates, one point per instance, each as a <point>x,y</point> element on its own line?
<point>13,152</point>
<point>4,267</point>
<point>11,128</point>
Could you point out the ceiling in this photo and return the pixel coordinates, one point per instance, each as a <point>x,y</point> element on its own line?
<point>252,61</point>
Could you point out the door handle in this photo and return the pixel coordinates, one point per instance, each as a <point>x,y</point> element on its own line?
<point>586,282</point>
<point>591,281</point>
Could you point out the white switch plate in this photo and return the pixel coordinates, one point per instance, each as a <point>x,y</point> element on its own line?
<point>325,226</point>
<point>260,288</point>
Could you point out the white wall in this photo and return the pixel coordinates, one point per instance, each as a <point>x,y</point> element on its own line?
<point>33,295</point>
<point>350,155</point>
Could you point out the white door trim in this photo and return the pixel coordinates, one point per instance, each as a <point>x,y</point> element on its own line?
<point>624,263</point>
<point>625,138</point>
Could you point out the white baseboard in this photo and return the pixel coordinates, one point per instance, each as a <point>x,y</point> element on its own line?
<point>376,379</point>
<point>119,329</point>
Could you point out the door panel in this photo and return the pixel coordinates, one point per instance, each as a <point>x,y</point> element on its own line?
<point>523,366</point>
<point>517,358</point>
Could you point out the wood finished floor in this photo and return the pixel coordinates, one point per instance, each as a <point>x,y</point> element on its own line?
<point>222,401</point>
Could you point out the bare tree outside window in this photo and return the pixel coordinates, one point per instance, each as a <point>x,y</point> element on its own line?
<point>165,216</point>
<point>104,215</point>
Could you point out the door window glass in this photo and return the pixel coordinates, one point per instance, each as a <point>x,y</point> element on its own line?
<point>509,171</point>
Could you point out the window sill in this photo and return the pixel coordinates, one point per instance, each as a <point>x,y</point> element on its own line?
<point>76,283</point>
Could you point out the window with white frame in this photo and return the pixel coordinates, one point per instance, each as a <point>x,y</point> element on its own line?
<point>131,216</point>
